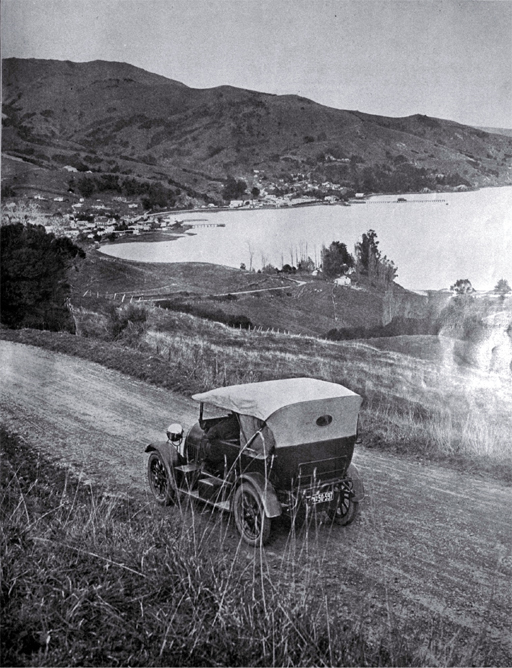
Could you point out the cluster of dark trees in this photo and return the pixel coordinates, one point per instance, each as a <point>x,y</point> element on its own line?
<point>397,175</point>
<point>463,287</point>
<point>502,287</point>
<point>336,260</point>
<point>234,189</point>
<point>368,264</point>
<point>402,176</point>
<point>152,194</point>
<point>34,267</point>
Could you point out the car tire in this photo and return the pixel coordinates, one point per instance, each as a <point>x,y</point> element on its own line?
<point>344,511</point>
<point>250,519</point>
<point>160,482</point>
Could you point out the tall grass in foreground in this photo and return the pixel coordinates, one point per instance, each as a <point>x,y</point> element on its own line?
<point>94,580</point>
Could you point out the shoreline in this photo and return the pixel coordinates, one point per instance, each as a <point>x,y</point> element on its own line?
<point>416,238</point>
<point>320,203</point>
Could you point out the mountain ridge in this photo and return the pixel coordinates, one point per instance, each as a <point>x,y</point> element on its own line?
<point>115,117</point>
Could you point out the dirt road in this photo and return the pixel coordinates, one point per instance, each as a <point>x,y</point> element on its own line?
<point>430,541</point>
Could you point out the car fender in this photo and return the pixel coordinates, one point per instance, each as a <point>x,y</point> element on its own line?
<point>357,484</point>
<point>267,493</point>
<point>166,450</point>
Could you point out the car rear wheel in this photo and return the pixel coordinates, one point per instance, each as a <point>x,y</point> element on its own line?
<point>160,482</point>
<point>250,519</point>
<point>345,509</point>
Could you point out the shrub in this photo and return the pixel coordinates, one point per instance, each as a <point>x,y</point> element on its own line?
<point>462,287</point>
<point>127,322</point>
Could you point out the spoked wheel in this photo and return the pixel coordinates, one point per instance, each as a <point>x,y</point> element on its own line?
<point>343,511</point>
<point>250,518</point>
<point>160,483</point>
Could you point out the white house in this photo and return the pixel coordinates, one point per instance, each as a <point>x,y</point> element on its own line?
<point>343,280</point>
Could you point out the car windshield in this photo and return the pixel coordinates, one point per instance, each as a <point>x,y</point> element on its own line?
<point>210,412</point>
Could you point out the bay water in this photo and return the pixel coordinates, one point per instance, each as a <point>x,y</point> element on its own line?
<point>433,239</point>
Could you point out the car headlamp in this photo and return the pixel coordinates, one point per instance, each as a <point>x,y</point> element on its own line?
<point>175,432</point>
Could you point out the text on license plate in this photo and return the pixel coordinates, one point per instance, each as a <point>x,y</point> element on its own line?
<point>321,497</point>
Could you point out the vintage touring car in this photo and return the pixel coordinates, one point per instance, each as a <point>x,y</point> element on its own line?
<point>261,450</point>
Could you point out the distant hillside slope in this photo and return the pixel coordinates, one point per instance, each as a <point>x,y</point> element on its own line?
<point>498,131</point>
<point>114,117</point>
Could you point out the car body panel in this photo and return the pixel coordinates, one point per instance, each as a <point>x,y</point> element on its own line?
<point>291,441</point>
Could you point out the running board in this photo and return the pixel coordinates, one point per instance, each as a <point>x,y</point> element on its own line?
<point>221,505</point>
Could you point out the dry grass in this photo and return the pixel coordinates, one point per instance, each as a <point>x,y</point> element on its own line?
<point>420,407</point>
<point>93,580</point>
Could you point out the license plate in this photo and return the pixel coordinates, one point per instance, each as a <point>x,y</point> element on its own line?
<point>321,497</point>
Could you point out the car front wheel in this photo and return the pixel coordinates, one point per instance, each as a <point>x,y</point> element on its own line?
<point>250,519</point>
<point>160,483</point>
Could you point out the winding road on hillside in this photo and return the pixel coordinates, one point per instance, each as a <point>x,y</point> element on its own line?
<point>430,542</point>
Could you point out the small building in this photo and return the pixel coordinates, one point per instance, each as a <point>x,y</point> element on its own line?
<point>343,281</point>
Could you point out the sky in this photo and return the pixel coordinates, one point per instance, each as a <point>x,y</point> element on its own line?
<point>450,59</point>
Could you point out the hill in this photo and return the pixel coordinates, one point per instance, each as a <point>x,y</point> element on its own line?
<point>498,131</point>
<point>118,119</point>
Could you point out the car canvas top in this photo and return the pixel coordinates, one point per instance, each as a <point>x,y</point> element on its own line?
<point>298,410</point>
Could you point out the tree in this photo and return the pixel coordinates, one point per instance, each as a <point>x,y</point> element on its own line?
<point>367,251</point>
<point>371,264</point>
<point>502,287</point>
<point>255,192</point>
<point>336,260</point>
<point>462,287</point>
<point>234,189</point>
<point>306,265</point>
<point>34,265</point>
<point>86,187</point>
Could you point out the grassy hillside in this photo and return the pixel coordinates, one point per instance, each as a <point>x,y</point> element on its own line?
<point>419,401</point>
<point>300,304</point>
<point>116,118</point>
